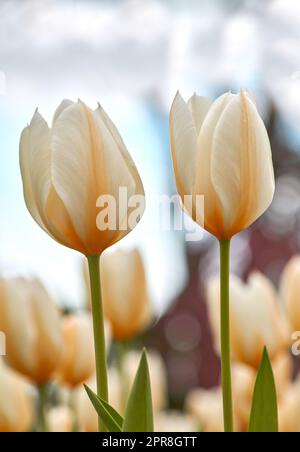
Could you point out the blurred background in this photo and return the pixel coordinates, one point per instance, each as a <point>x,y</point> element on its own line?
<point>133,56</point>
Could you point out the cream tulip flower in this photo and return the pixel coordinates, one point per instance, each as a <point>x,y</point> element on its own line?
<point>31,322</point>
<point>66,168</point>
<point>16,401</point>
<point>221,150</point>
<point>77,363</point>
<point>205,405</point>
<point>256,319</point>
<point>289,409</point>
<point>126,302</point>
<point>290,292</point>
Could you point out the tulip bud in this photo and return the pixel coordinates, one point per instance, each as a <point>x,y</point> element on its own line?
<point>221,150</point>
<point>78,363</point>
<point>125,296</point>
<point>30,321</point>
<point>289,290</point>
<point>60,419</point>
<point>16,401</point>
<point>66,168</point>
<point>256,320</point>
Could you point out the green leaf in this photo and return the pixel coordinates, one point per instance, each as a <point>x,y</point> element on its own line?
<point>139,414</point>
<point>264,416</point>
<point>108,415</point>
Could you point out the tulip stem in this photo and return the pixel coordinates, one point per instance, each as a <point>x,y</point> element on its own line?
<point>225,334</point>
<point>99,333</point>
<point>43,424</point>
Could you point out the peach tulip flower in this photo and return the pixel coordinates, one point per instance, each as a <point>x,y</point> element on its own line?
<point>126,301</point>
<point>68,166</point>
<point>221,150</point>
<point>256,319</point>
<point>290,292</point>
<point>60,419</point>
<point>16,401</point>
<point>30,321</point>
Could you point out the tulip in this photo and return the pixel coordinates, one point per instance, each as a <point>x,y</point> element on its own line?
<point>60,419</point>
<point>255,316</point>
<point>31,323</point>
<point>77,364</point>
<point>290,290</point>
<point>289,409</point>
<point>16,401</point>
<point>221,150</point>
<point>67,167</point>
<point>126,301</point>
<point>221,153</point>
<point>69,172</point>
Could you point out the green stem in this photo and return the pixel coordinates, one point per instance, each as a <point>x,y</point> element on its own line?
<point>43,396</point>
<point>225,334</point>
<point>121,349</point>
<point>72,405</point>
<point>99,333</point>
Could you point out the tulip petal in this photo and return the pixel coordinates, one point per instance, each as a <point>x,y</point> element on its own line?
<point>87,163</point>
<point>199,106</point>
<point>203,184</point>
<point>183,136</point>
<point>35,166</point>
<point>62,106</point>
<point>241,164</point>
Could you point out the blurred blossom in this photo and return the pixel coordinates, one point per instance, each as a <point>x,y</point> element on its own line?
<point>158,377</point>
<point>77,362</point>
<point>206,406</point>
<point>282,217</point>
<point>16,401</point>
<point>126,302</point>
<point>213,156</point>
<point>256,319</point>
<point>282,366</point>
<point>60,419</point>
<point>175,421</point>
<point>86,415</point>
<point>290,291</point>
<point>289,409</point>
<point>30,320</point>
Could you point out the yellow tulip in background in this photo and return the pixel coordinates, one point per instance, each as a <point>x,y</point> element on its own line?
<point>31,323</point>
<point>289,291</point>
<point>77,362</point>
<point>221,152</point>
<point>17,403</point>
<point>126,301</point>
<point>255,317</point>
